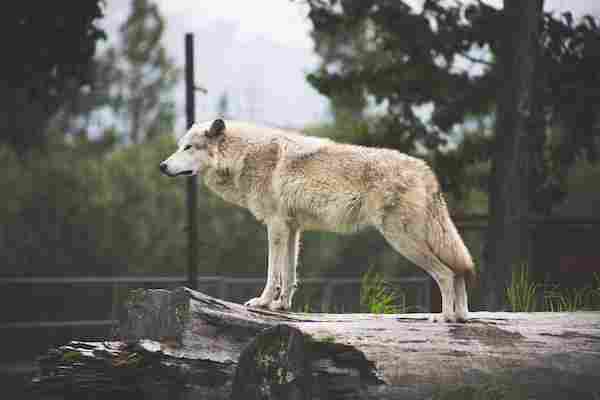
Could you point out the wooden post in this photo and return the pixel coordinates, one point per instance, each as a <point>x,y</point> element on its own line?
<point>190,108</point>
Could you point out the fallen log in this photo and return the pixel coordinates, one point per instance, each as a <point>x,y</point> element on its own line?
<point>185,344</point>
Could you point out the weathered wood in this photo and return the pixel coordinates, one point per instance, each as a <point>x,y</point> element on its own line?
<point>275,362</point>
<point>116,370</point>
<point>185,344</point>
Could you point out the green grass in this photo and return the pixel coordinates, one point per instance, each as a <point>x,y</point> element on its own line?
<point>377,297</point>
<point>557,299</point>
<point>492,390</point>
<point>522,292</point>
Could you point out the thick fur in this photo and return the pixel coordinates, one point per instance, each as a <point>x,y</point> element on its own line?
<point>294,183</point>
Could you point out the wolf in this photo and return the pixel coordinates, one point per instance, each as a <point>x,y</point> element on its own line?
<point>292,183</point>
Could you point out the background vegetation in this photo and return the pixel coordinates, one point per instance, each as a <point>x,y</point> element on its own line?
<point>86,130</point>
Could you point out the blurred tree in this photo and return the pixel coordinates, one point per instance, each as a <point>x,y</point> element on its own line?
<point>513,155</point>
<point>464,168</point>
<point>87,109</point>
<point>67,213</point>
<point>428,70</point>
<point>404,62</point>
<point>50,58</point>
<point>347,102</point>
<point>566,121</point>
<point>146,75</point>
<point>130,95</point>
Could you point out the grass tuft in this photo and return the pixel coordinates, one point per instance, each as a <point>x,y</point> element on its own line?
<point>377,297</point>
<point>522,292</point>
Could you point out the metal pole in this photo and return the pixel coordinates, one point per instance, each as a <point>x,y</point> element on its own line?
<point>190,108</point>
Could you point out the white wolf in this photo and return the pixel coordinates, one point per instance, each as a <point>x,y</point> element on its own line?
<point>294,183</point>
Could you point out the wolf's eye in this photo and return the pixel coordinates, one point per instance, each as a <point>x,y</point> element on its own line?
<point>189,146</point>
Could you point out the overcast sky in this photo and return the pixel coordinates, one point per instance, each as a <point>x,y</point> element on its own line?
<point>258,52</point>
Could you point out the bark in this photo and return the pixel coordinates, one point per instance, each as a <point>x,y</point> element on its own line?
<point>507,243</point>
<point>184,344</point>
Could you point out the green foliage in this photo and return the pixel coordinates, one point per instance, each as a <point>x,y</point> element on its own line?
<point>49,203</point>
<point>68,213</point>
<point>557,299</point>
<point>567,299</point>
<point>71,356</point>
<point>522,292</point>
<point>572,80</point>
<point>132,84</point>
<point>582,194</point>
<point>377,297</point>
<point>367,131</point>
<point>433,69</point>
<point>402,59</point>
<point>146,75</point>
<point>463,167</point>
<point>84,207</point>
<point>51,58</point>
<point>146,210</point>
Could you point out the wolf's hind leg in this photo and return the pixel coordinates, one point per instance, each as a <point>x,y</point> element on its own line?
<point>420,254</point>
<point>461,302</point>
<point>293,252</point>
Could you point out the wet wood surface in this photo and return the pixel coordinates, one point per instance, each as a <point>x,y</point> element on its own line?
<point>183,344</point>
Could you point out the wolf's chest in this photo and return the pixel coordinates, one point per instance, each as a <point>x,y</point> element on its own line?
<point>222,184</point>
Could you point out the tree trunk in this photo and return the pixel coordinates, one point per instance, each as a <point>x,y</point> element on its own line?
<point>507,243</point>
<point>183,344</point>
<point>25,114</point>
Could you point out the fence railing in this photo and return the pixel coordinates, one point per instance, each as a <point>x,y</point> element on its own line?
<point>480,221</point>
<point>222,287</point>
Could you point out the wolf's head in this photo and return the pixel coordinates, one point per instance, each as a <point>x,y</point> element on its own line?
<point>193,152</point>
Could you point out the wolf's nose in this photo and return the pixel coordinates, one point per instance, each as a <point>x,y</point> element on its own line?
<point>163,167</point>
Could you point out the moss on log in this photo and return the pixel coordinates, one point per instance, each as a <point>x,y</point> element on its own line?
<point>184,344</point>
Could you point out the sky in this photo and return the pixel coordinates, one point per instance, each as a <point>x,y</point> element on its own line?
<point>258,52</point>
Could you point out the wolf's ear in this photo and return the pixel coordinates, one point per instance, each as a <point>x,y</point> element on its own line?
<point>216,129</point>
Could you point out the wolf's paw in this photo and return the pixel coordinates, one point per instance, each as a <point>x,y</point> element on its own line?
<point>279,305</point>
<point>442,318</point>
<point>257,302</point>
<point>462,317</point>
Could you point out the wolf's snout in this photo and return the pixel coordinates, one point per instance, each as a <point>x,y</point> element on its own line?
<point>163,167</point>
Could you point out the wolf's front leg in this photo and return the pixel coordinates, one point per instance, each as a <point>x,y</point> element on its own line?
<point>288,273</point>
<point>278,235</point>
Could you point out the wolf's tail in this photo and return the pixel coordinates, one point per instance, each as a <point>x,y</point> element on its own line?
<point>446,243</point>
